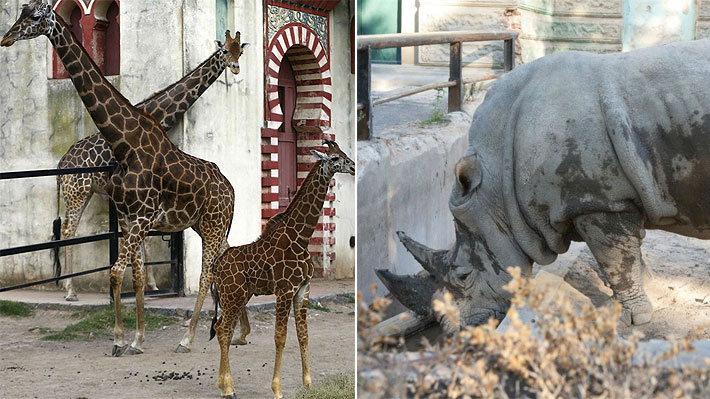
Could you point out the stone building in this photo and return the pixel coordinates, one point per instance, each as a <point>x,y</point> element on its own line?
<point>294,89</point>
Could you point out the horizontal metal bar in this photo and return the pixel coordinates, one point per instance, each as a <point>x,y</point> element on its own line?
<point>99,269</point>
<point>149,293</point>
<point>164,262</point>
<point>55,172</point>
<point>53,279</point>
<point>54,244</point>
<point>427,38</point>
<point>397,94</point>
<point>483,79</point>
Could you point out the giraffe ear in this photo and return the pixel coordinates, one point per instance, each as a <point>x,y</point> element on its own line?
<point>319,155</point>
<point>219,44</point>
<point>245,46</point>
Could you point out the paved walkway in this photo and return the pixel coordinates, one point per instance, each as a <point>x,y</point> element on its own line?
<point>181,306</point>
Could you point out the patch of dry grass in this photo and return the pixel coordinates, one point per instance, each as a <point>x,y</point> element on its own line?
<point>574,353</point>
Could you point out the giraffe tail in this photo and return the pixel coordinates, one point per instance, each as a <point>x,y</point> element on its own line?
<point>57,235</point>
<point>216,305</point>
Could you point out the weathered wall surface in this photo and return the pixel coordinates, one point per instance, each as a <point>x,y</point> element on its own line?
<point>342,118</point>
<point>40,118</point>
<point>651,22</point>
<point>703,26</point>
<point>404,183</point>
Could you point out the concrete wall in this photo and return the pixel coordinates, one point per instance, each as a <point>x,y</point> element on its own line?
<point>651,22</point>
<point>343,126</point>
<point>160,42</point>
<point>404,183</point>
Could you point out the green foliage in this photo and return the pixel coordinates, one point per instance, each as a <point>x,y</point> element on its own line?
<point>15,309</point>
<point>317,306</point>
<point>438,114</point>
<point>340,386</point>
<point>99,322</point>
<point>350,297</point>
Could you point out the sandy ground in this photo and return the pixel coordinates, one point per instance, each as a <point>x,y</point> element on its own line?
<point>32,368</point>
<point>679,289</point>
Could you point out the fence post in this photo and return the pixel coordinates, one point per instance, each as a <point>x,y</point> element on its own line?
<point>364,99</point>
<point>509,54</point>
<point>455,75</point>
<point>176,264</point>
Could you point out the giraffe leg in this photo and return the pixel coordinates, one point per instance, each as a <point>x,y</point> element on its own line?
<point>136,347</point>
<point>225,328</point>
<point>129,246</point>
<point>244,330</point>
<point>300,306</point>
<point>150,277</point>
<point>77,193</point>
<point>283,308</point>
<point>209,251</point>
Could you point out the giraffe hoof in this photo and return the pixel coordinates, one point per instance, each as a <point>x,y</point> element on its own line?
<point>182,349</point>
<point>118,350</point>
<point>239,341</point>
<point>71,298</point>
<point>232,396</point>
<point>132,351</point>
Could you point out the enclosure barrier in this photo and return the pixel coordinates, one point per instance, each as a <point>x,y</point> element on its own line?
<point>367,43</point>
<point>176,239</point>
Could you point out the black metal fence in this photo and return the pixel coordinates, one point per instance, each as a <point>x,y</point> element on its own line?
<point>455,39</point>
<point>175,239</point>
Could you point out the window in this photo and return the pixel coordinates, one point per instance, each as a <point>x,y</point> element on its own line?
<point>96,25</point>
<point>223,16</point>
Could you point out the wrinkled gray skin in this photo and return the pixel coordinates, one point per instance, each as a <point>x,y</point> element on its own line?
<point>574,147</point>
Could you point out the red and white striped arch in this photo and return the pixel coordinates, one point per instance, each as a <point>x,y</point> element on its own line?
<point>312,121</point>
<point>311,68</point>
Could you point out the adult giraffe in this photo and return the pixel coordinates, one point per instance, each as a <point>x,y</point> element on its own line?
<point>156,185</point>
<point>277,263</point>
<point>167,108</point>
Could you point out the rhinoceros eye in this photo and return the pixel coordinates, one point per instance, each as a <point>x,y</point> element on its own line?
<point>464,276</point>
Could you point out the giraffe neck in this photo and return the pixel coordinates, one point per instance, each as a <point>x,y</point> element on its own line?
<point>306,207</point>
<point>108,108</point>
<point>170,104</point>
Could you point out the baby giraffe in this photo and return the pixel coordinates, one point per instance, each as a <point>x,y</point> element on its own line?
<point>277,263</point>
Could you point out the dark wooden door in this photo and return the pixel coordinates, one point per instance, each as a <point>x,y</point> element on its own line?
<point>288,182</point>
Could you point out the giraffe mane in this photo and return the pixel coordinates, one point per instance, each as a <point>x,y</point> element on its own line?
<point>276,219</point>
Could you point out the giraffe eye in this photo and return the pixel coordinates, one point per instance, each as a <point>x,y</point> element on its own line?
<point>335,158</point>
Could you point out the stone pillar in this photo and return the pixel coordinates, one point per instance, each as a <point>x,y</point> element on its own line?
<point>651,22</point>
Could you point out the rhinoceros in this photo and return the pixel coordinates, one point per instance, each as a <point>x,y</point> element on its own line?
<point>573,147</point>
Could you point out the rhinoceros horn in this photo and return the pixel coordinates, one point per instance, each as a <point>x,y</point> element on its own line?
<point>433,261</point>
<point>414,292</point>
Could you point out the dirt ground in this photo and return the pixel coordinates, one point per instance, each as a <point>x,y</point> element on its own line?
<point>32,368</point>
<point>679,289</point>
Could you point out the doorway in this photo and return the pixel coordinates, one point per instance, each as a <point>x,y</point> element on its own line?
<point>288,171</point>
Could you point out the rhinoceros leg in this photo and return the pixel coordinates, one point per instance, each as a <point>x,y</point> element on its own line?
<point>615,242</point>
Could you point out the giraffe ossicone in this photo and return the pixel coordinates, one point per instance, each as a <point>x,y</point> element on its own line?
<point>156,186</point>
<point>276,263</point>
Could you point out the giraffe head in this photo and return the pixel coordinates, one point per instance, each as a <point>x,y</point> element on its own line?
<point>231,50</point>
<point>335,160</point>
<point>36,18</point>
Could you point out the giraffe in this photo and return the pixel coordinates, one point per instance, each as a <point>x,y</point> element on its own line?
<point>166,107</point>
<point>155,185</point>
<point>277,263</point>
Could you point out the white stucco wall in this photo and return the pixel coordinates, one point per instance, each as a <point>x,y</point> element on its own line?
<point>342,117</point>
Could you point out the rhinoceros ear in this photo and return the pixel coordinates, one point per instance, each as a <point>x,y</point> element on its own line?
<point>468,174</point>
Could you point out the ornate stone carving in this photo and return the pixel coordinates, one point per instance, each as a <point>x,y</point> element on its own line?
<point>278,17</point>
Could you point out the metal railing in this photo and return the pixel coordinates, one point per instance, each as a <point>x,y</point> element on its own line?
<point>176,239</point>
<point>455,39</point>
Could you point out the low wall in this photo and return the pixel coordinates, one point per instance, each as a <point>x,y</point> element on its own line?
<point>404,181</point>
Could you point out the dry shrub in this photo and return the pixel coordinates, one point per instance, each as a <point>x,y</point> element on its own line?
<point>574,352</point>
